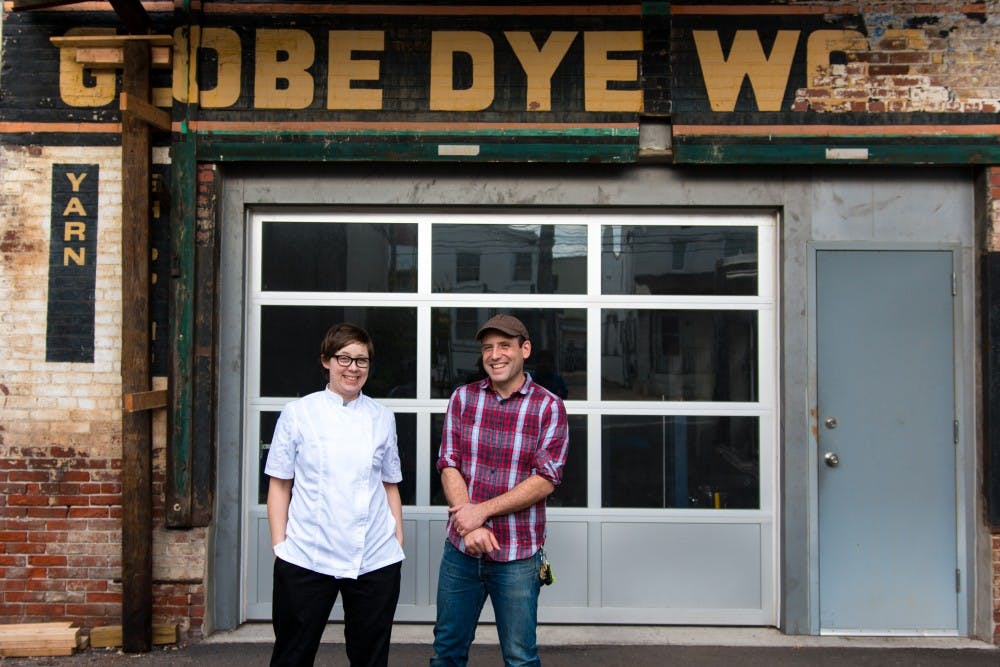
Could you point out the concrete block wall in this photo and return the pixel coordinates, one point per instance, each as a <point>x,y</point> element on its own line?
<point>60,426</point>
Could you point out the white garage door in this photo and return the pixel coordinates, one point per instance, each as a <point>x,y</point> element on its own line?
<point>657,327</point>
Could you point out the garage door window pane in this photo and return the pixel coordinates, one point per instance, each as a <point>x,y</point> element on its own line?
<point>680,462</point>
<point>406,442</point>
<point>338,257</point>
<point>558,348</point>
<point>572,492</point>
<point>290,337</point>
<point>509,259</point>
<point>658,259</point>
<point>268,420</point>
<point>678,355</point>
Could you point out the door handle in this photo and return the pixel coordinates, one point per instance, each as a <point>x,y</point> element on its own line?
<point>830,423</point>
<point>831,459</point>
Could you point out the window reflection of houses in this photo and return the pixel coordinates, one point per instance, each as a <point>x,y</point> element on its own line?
<point>706,355</point>
<point>680,354</point>
<point>499,259</point>
<point>649,259</point>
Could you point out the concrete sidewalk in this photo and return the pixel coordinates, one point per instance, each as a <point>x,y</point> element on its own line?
<point>629,635</point>
<point>578,646</point>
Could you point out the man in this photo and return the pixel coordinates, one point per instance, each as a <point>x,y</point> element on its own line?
<point>502,452</point>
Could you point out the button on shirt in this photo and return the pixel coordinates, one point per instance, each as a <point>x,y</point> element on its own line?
<point>496,443</point>
<point>338,455</point>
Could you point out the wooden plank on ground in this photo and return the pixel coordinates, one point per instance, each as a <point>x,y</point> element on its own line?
<point>34,652</point>
<point>106,636</point>
<point>110,636</point>
<point>38,639</point>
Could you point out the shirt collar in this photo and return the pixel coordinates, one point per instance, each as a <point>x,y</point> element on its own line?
<point>524,389</point>
<point>335,398</point>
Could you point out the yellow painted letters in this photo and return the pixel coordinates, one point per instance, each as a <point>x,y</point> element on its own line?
<point>75,180</point>
<point>822,43</point>
<point>74,206</point>
<point>599,70</point>
<point>444,46</point>
<point>78,257</point>
<point>283,56</point>
<point>344,69</point>
<point>75,228</point>
<point>74,88</point>
<point>724,77</point>
<point>540,64</point>
<point>226,45</point>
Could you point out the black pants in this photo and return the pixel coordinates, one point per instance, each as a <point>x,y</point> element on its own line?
<point>301,606</point>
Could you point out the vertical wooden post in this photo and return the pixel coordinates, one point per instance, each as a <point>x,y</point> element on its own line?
<point>137,473</point>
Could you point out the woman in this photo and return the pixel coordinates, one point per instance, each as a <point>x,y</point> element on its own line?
<point>334,511</point>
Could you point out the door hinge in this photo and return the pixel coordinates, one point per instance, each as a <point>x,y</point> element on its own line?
<point>958,581</point>
<point>954,431</point>
<point>954,284</point>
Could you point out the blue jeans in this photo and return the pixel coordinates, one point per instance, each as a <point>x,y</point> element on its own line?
<point>463,586</point>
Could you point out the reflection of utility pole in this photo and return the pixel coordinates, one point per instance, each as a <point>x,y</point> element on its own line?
<point>546,241</point>
<point>546,285</point>
<point>388,233</point>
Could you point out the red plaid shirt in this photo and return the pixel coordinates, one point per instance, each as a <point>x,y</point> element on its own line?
<point>497,443</point>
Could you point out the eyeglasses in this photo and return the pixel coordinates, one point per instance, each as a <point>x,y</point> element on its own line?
<point>345,361</point>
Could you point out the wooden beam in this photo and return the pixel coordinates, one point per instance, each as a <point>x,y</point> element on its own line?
<point>110,636</point>
<point>83,41</point>
<point>145,400</point>
<point>137,442</point>
<point>107,51</point>
<point>101,57</point>
<point>39,639</point>
<point>133,16</point>
<point>109,57</point>
<point>145,111</point>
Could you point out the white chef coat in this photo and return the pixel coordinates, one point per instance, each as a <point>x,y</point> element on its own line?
<point>338,455</point>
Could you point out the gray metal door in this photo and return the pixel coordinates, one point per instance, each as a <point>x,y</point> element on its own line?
<point>887,507</point>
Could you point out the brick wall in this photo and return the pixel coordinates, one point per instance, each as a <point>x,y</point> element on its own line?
<point>909,56</point>
<point>60,427</point>
<point>996,588</point>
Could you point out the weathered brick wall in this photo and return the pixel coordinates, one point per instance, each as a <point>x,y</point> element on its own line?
<point>996,589</point>
<point>60,426</point>
<point>993,236</point>
<point>913,56</point>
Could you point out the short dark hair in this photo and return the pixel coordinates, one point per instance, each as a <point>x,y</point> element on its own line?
<point>340,336</point>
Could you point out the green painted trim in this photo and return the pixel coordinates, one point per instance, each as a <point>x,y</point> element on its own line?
<point>588,133</point>
<point>914,153</point>
<point>183,178</point>
<point>225,151</point>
